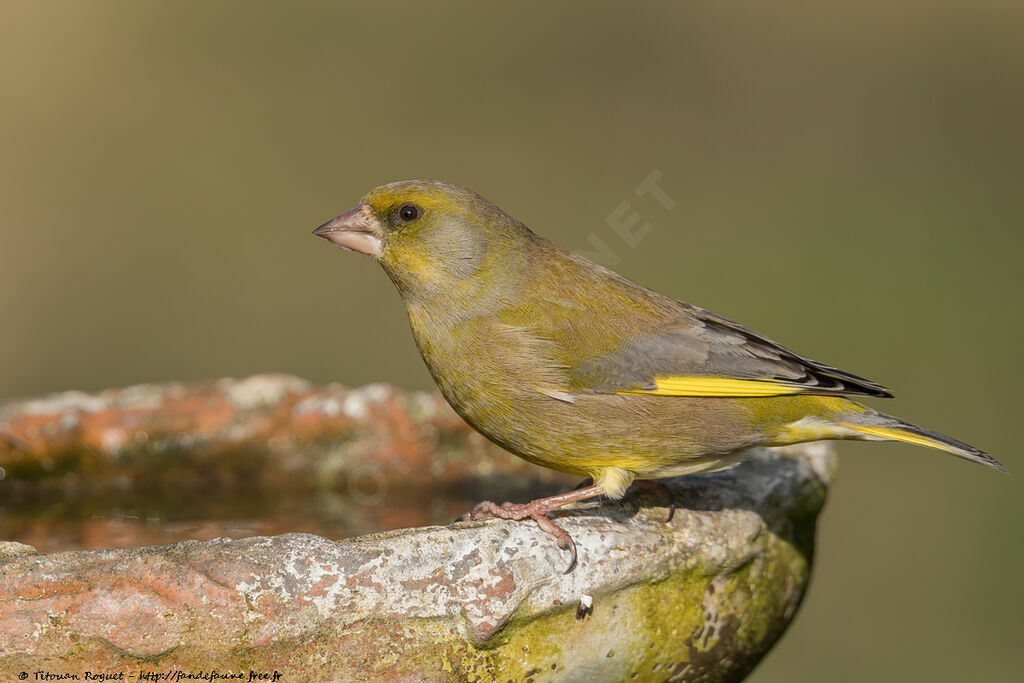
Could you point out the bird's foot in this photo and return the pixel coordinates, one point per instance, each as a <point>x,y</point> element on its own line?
<point>520,511</point>
<point>537,510</point>
<point>659,488</point>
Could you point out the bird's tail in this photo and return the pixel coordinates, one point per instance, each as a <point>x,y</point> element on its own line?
<point>872,425</point>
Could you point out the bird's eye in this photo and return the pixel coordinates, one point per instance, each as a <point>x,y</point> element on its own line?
<point>409,212</point>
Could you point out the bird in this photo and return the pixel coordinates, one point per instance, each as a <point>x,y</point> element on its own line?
<point>571,366</point>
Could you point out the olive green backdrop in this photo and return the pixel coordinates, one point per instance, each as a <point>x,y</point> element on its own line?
<point>845,177</point>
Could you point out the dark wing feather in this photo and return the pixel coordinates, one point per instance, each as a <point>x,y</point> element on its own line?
<point>778,362</point>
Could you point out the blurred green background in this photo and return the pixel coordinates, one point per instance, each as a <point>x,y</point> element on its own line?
<point>847,179</point>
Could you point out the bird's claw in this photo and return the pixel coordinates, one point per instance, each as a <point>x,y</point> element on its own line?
<point>562,538</point>
<point>536,511</point>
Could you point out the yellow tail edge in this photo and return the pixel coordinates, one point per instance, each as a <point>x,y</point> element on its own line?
<point>908,433</point>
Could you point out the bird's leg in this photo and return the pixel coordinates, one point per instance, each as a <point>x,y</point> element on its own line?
<point>659,488</point>
<point>538,510</point>
<point>589,481</point>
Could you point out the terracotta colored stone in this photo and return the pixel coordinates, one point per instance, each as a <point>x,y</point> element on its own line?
<point>266,428</point>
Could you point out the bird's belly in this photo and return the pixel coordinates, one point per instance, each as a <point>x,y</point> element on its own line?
<point>496,379</point>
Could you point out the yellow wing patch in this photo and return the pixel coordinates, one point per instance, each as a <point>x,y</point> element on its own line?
<point>710,386</point>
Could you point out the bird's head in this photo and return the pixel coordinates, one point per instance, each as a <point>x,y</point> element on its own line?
<point>428,235</point>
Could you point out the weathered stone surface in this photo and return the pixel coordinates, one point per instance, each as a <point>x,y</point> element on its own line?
<point>265,429</point>
<point>702,597</point>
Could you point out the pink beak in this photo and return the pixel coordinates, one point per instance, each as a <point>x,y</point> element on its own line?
<point>354,230</point>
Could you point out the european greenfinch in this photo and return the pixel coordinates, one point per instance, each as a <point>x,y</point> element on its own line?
<point>574,367</point>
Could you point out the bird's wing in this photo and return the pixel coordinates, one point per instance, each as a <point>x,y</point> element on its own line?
<point>607,334</point>
<point>650,344</point>
<point>702,354</point>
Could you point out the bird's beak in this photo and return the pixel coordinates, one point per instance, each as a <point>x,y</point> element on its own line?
<point>354,230</point>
